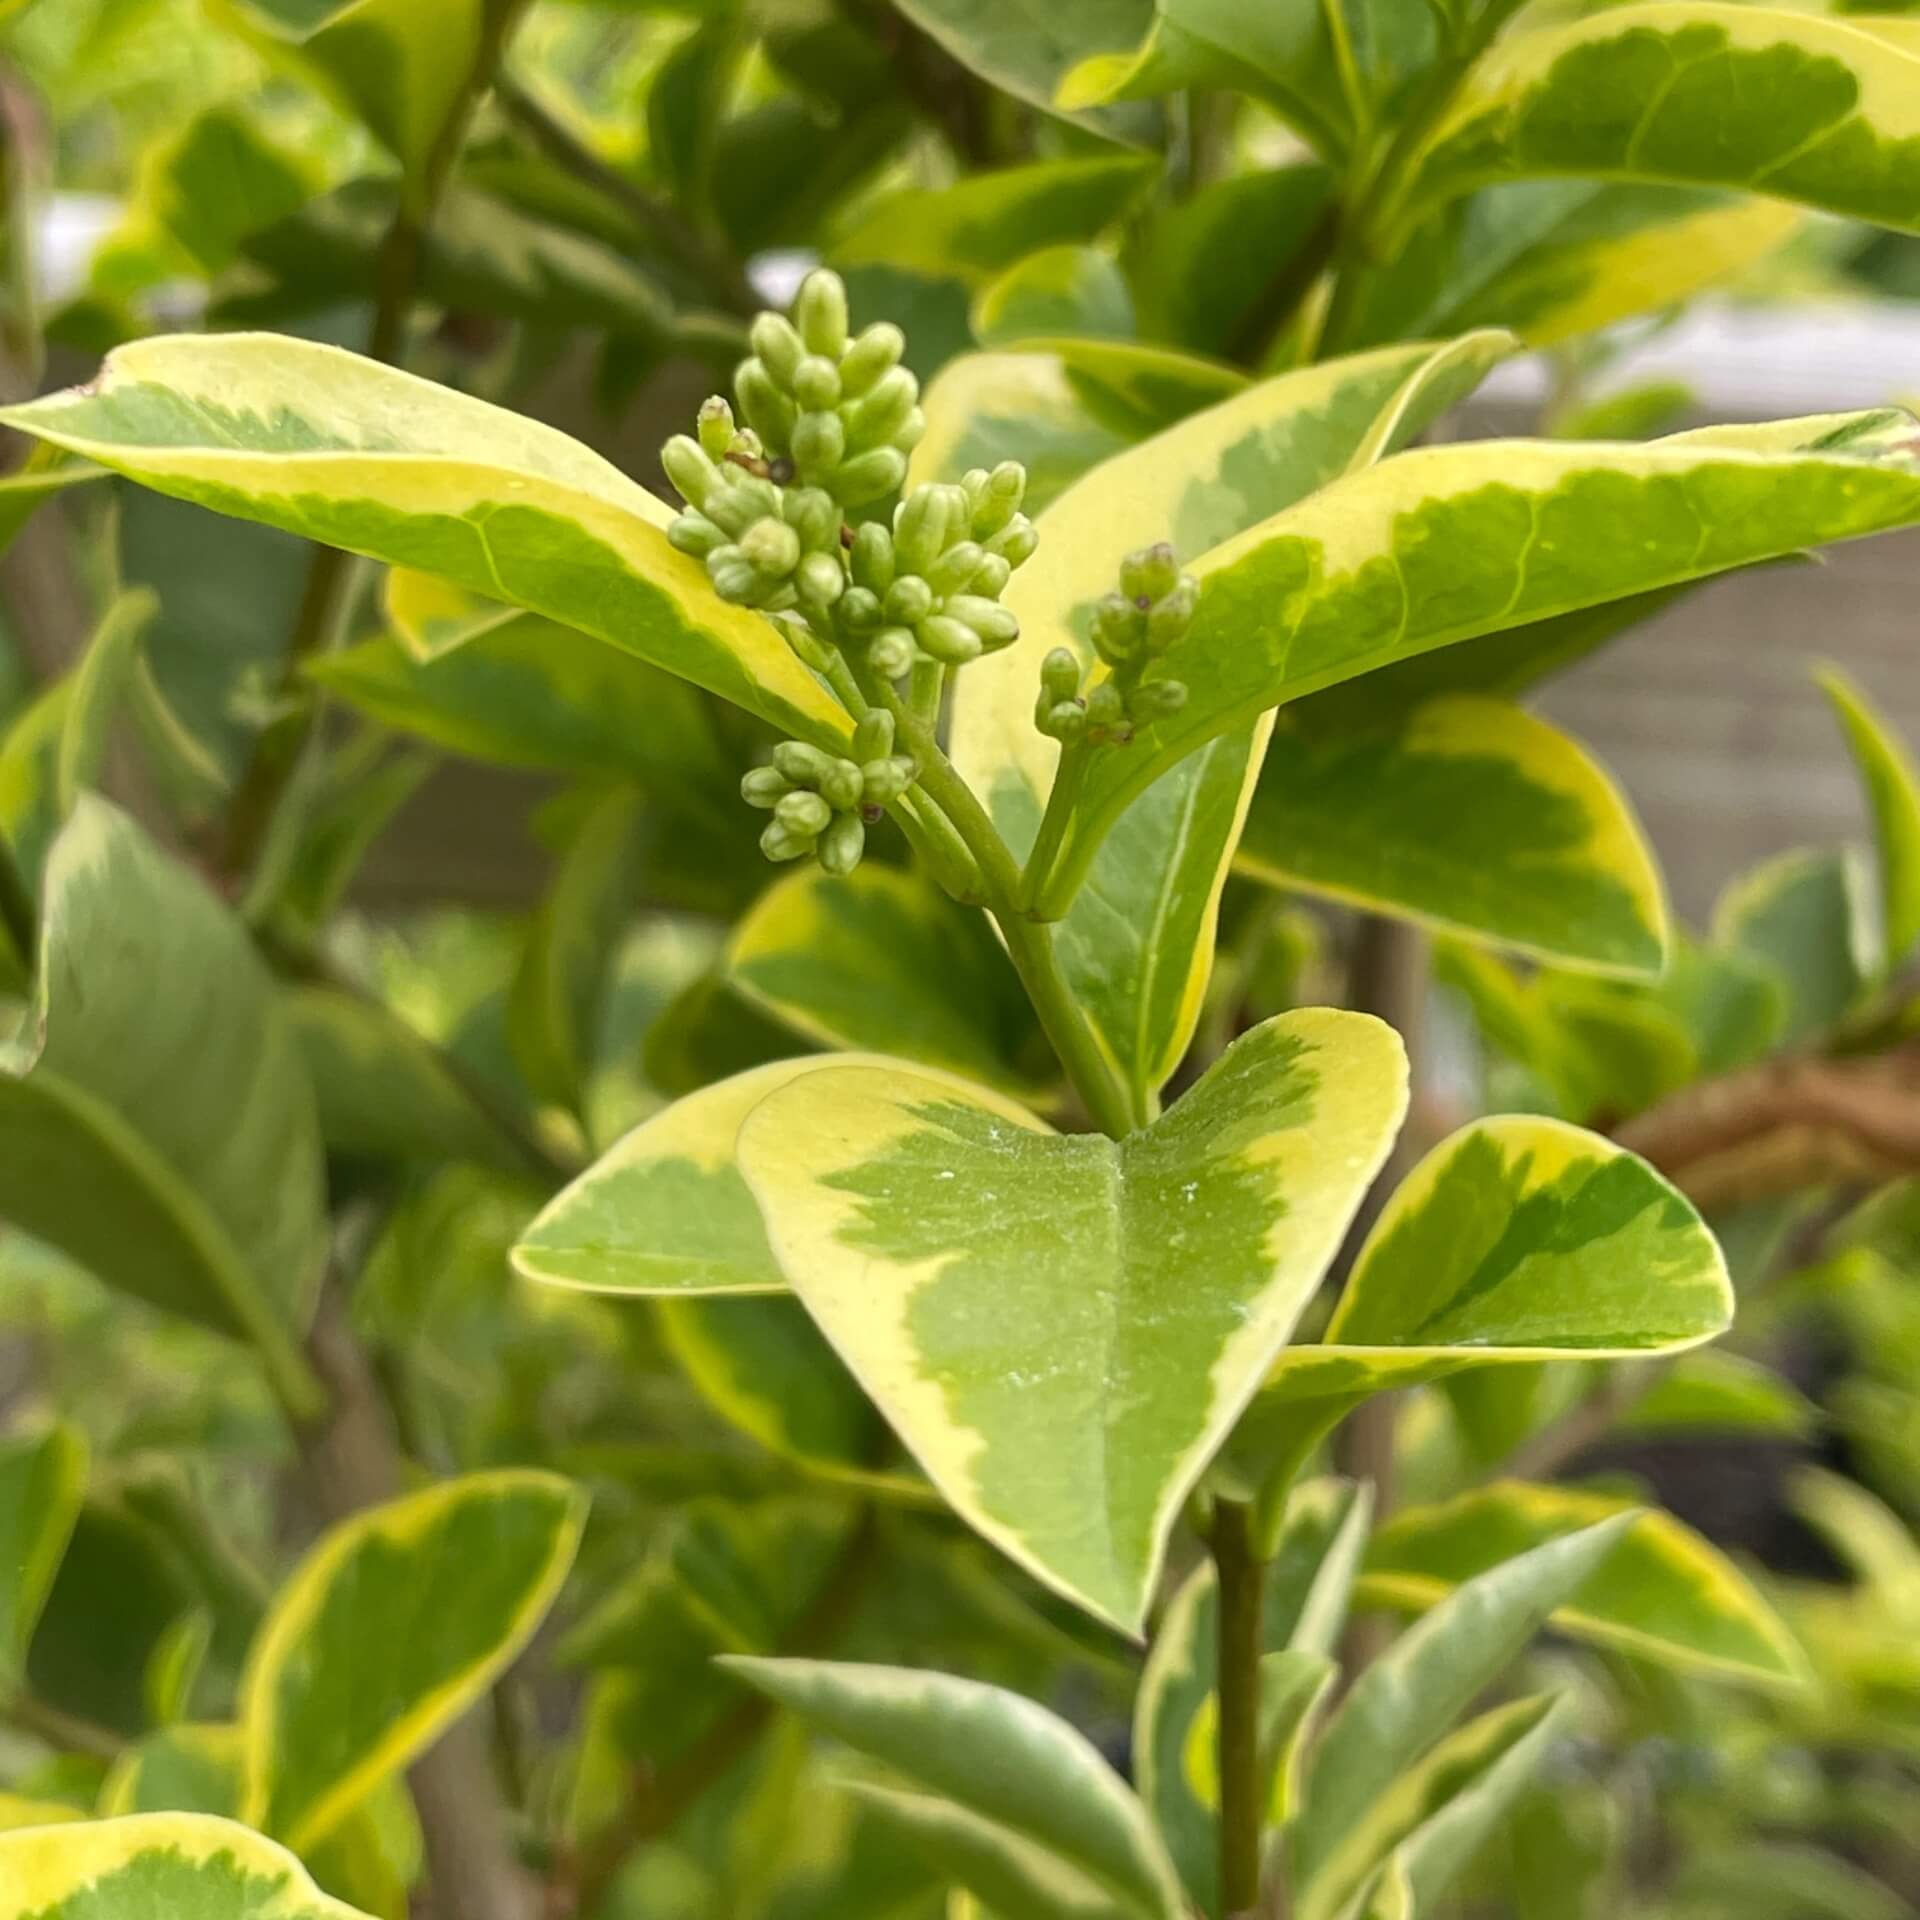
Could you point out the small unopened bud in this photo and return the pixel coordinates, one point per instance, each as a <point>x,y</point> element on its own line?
<point>736,504</point>
<point>996,498</point>
<point>909,600</point>
<point>1106,707</point>
<point>1016,542</point>
<point>820,313</point>
<point>1150,574</point>
<point>764,786</point>
<point>816,382</point>
<point>778,347</point>
<point>777,843</point>
<point>871,559</point>
<point>990,577</point>
<point>1060,674</point>
<point>868,476</point>
<point>1119,630</point>
<point>842,786</point>
<point>812,513</point>
<point>772,546</point>
<point>996,625</point>
<point>802,812</point>
<point>1064,720</point>
<point>820,579</point>
<point>736,581</point>
<point>911,431</point>
<point>819,442</point>
<point>949,640</point>
<point>877,350</point>
<point>1173,614</point>
<point>842,844</point>
<point>885,780</point>
<point>920,527</point>
<point>951,572</point>
<point>873,737</point>
<point>715,427</point>
<point>768,410</point>
<point>805,765</point>
<point>873,420</point>
<point>1156,699</point>
<point>890,652</point>
<point>859,611</point>
<point>694,533</point>
<point>694,476</point>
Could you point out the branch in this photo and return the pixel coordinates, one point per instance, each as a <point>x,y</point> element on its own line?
<point>1784,1125</point>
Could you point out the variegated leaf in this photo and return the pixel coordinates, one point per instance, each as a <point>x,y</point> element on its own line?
<point>1000,1758</point>
<point>389,1629</point>
<point>354,454</point>
<point>1063,1328</point>
<point>1518,1239</point>
<point>1663,1593</point>
<point>1137,945</point>
<point>1445,544</point>
<point>1469,815</point>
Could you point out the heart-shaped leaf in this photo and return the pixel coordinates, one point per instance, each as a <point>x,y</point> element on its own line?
<point>342,450</point>
<point>152,1863</point>
<point>1518,1239</point>
<point>1470,815</point>
<point>1664,1593</point>
<point>1063,1328</point>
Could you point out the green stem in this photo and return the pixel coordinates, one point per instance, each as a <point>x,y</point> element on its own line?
<point>1068,779</point>
<point>1029,945</point>
<point>64,1732</point>
<point>1242,1576</point>
<point>929,682</point>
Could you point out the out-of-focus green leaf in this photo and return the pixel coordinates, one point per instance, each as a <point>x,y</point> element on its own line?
<point>1066,289</point>
<point>1892,787</point>
<point>1809,915</point>
<point>1714,1392</point>
<point>41,1483</point>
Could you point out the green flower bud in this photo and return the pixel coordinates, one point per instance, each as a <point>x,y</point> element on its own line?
<point>777,843</point>
<point>764,787</point>
<point>694,476</point>
<point>736,504</point>
<point>843,786</point>
<point>859,610</point>
<point>1064,720</point>
<point>804,765</point>
<point>819,443</point>
<point>772,546</point>
<point>868,476</point>
<point>996,496</point>
<point>821,579</point>
<point>909,600</point>
<point>871,559</point>
<point>873,737</point>
<point>778,348</point>
<point>802,812</point>
<point>808,648</point>
<point>1060,674</point>
<point>1156,699</point>
<point>1149,575</point>
<point>768,410</point>
<point>842,845</point>
<point>921,526</point>
<point>1173,615</point>
<point>715,428</point>
<point>956,567</point>
<point>875,353</point>
<point>814,515</point>
<point>737,581</point>
<point>1106,707</point>
<point>912,430</point>
<point>947,639</point>
<point>875,419</point>
<point>694,533</point>
<point>820,312</point>
<point>1016,542</point>
<point>1119,630</point>
<point>996,625</point>
<point>890,652</point>
<point>990,577</point>
<point>885,780</point>
<point>816,383</point>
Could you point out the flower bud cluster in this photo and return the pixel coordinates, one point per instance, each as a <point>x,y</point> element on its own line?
<point>822,803</point>
<point>929,586</point>
<point>1130,630</point>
